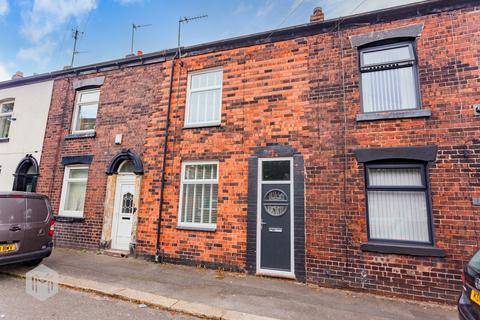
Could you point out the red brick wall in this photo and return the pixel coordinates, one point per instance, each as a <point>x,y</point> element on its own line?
<point>127,98</point>
<point>293,92</point>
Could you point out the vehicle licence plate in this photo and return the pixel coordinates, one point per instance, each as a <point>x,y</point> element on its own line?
<point>475,296</point>
<point>8,247</point>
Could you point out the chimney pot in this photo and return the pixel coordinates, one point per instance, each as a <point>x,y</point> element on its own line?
<point>317,15</point>
<point>17,75</point>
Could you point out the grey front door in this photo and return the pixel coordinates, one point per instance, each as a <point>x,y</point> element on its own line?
<point>275,216</point>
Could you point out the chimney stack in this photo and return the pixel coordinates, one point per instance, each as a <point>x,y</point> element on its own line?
<point>17,75</point>
<point>317,15</point>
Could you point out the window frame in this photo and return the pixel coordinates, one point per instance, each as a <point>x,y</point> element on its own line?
<point>66,180</point>
<point>425,188</point>
<point>189,93</point>
<point>384,45</point>
<point>7,115</point>
<point>196,225</point>
<point>77,106</point>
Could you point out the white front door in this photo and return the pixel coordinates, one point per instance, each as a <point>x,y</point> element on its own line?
<point>124,211</point>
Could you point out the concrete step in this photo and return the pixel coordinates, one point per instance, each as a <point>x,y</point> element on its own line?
<point>116,253</point>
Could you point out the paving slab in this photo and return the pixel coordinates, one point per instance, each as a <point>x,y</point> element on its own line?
<point>237,293</point>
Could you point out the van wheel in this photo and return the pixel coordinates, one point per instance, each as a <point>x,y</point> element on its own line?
<point>33,263</point>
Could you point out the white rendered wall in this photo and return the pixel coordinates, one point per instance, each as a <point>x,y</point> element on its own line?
<point>32,103</point>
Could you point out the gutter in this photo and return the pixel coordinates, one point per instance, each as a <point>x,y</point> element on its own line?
<point>158,255</point>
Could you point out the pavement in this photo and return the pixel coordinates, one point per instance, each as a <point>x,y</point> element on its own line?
<point>221,295</point>
<point>72,305</point>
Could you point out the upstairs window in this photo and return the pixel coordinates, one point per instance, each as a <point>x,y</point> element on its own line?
<point>389,80</point>
<point>204,98</point>
<point>6,112</point>
<point>199,195</point>
<point>398,203</point>
<point>85,112</point>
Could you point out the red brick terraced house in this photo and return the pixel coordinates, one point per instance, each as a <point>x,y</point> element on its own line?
<point>343,153</point>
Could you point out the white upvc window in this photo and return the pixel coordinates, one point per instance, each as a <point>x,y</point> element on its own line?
<point>73,191</point>
<point>199,195</point>
<point>85,112</point>
<point>204,98</point>
<point>6,113</point>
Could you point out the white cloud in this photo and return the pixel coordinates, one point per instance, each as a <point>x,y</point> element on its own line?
<point>266,8</point>
<point>3,7</point>
<point>242,7</point>
<point>47,16</point>
<point>4,73</point>
<point>40,54</point>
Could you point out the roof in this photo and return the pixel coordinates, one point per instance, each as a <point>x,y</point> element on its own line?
<point>302,30</point>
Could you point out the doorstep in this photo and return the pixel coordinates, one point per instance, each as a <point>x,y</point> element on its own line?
<point>116,253</point>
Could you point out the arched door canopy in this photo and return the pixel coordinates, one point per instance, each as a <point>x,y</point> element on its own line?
<point>26,174</point>
<point>28,162</point>
<point>125,154</point>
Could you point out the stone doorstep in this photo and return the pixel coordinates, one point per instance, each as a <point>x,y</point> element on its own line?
<point>150,299</point>
<point>116,253</point>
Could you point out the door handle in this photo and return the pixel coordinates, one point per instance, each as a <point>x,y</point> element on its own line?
<point>15,228</point>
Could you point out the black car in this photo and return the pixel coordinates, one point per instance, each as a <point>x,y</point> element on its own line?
<point>469,302</point>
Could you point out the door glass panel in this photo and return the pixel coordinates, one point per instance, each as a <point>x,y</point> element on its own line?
<point>276,170</point>
<point>127,166</point>
<point>127,203</point>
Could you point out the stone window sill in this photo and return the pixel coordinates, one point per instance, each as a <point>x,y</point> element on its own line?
<point>69,219</point>
<point>201,126</point>
<point>402,249</point>
<point>4,140</point>
<point>372,116</point>
<point>197,228</point>
<point>80,135</point>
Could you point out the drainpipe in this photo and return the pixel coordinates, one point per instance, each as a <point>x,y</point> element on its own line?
<point>158,255</point>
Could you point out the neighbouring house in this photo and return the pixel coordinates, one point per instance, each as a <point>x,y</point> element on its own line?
<point>23,117</point>
<point>341,152</point>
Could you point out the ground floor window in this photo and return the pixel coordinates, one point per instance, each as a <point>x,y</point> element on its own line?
<point>398,206</point>
<point>73,191</point>
<point>199,195</point>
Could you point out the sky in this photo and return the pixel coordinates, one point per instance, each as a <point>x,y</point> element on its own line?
<point>36,35</point>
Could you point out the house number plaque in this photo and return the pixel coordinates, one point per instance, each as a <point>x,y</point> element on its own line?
<point>275,202</point>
